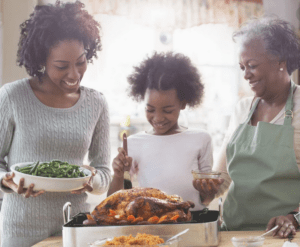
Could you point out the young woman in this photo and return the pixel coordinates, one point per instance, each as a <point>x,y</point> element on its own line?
<point>50,116</point>
<point>164,156</point>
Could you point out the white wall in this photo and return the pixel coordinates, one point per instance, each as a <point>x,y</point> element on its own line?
<point>1,48</point>
<point>14,12</point>
<point>287,10</point>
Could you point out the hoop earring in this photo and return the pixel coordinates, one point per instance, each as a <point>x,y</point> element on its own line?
<point>281,69</point>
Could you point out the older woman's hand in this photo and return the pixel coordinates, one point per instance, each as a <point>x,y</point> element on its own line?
<point>7,181</point>
<point>207,190</point>
<point>86,186</point>
<point>286,225</point>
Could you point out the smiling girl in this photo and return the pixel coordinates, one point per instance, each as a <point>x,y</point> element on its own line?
<point>164,156</point>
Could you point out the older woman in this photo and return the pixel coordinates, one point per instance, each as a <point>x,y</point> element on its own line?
<point>260,158</point>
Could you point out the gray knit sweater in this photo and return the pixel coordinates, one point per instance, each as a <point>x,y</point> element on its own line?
<point>31,131</point>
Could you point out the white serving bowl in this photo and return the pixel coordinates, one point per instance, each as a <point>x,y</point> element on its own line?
<point>50,184</point>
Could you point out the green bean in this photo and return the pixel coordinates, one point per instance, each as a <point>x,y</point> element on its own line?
<point>55,169</point>
<point>33,169</point>
<point>27,168</point>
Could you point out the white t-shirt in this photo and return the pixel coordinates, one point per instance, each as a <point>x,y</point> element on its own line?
<point>166,162</point>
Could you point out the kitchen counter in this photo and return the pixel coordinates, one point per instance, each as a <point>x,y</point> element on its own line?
<point>225,239</point>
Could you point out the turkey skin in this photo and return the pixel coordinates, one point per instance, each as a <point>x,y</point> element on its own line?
<point>140,206</point>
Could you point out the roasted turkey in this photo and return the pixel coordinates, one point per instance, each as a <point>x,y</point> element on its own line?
<point>140,206</point>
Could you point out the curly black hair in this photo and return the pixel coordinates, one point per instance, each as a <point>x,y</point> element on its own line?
<point>49,24</point>
<point>278,35</point>
<point>165,71</point>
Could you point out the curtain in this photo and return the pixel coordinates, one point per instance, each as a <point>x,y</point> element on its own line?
<point>179,14</point>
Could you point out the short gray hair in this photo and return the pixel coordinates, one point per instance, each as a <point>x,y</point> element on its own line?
<point>278,35</point>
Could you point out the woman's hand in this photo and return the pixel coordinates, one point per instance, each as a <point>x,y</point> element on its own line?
<point>286,225</point>
<point>7,181</point>
<point>207,190</point>
<point>121,163</point>
<point>86,186</point>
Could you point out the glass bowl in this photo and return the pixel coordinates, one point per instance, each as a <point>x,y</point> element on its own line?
<point>197,174</point>
<point>248,241</point>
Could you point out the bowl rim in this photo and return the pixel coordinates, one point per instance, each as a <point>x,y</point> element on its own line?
<point>244,239</point>
<point>12,168</point>
<point>206,173</point>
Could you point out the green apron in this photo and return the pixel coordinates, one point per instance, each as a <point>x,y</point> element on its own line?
<point>265,176</point>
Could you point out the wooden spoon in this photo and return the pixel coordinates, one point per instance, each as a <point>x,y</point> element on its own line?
<point>127,177</point>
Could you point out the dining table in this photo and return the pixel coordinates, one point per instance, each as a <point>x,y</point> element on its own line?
<point>225,239</point>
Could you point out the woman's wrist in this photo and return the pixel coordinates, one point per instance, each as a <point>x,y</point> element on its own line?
<point>4,188</point>
<point>292,218</point>
<point>206,200</point>
<point>118,175</point>
<point>4,184</point>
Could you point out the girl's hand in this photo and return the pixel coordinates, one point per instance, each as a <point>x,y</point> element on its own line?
<point>207,190</point>
<point>86,186</point>
<point>286,225</point>
<point>121,163</point>
<point>8,182</point>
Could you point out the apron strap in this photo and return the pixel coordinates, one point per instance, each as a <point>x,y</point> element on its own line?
<point>288,113</point>
<point>252,110</point>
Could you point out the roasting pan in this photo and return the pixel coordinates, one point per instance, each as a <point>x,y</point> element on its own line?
<point>205,231</point>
